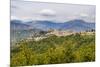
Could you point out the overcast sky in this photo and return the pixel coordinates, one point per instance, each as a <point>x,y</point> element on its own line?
<point>26,10</point>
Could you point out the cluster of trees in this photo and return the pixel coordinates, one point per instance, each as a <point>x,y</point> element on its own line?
<point>54,50</point>
<point>92,30</point>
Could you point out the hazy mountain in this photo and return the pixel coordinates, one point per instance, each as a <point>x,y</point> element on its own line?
<point>18,25</point>
<point>78,25</point>
<point>44,25</point>
<point>75,25</point>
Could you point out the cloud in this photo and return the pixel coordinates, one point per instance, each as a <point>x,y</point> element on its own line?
<point>47,13</point>
<point>14,17</point>
<point>84,15</point>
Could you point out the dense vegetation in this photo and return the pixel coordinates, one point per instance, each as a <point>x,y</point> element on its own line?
<point>54,50</point>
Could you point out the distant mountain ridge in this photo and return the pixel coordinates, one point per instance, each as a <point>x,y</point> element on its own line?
<point>74,25</point>
<point>18,25</point>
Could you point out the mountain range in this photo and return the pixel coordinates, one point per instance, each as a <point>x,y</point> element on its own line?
<point>74,25</point>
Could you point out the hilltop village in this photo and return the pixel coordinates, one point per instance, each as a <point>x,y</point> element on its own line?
<point>59,33</point>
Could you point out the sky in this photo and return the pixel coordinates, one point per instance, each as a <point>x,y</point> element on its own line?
<point>58,12</point>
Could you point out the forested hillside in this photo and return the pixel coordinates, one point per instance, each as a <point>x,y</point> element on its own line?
<point>53,50</point>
